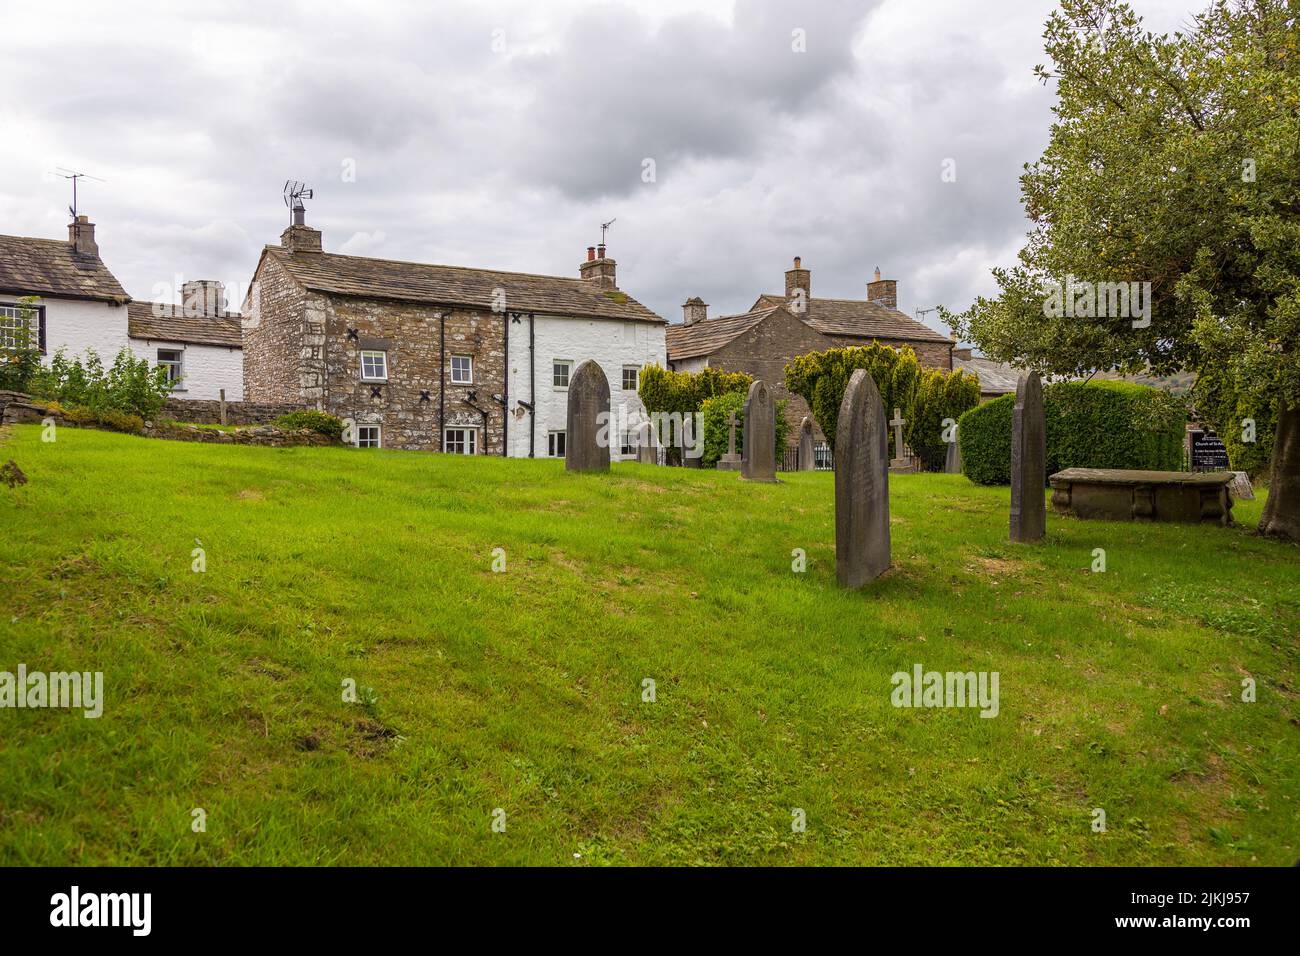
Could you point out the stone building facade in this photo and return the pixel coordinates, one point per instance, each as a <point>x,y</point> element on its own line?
<point>431,357</point>
<point>777,328</point>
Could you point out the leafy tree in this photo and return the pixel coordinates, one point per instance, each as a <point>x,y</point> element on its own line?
<point>1172,160</point>
<point>662,390</point>
<point>717,430</point>
<point>939,395</point>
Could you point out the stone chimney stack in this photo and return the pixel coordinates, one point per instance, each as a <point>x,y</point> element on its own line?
<point>798,287</point>
<point>694,310</point>
<point>299,237</point>
<point>598,269</point>
<point>883,291</point>
<point>203,298</point>
<point>81,236</point>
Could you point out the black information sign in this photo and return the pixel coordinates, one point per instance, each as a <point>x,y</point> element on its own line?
<point>1208,452</point>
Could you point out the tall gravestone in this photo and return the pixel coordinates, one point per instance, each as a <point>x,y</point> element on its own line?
<point>807,461</point>
<point>1028,461</point>
<point>952,463</point>
<point>586,444</point>
<point>758,461</point>
<point>647,449</point>
<point>861,485</point>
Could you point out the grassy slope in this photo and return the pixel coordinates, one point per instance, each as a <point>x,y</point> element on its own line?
<point>522,690</point>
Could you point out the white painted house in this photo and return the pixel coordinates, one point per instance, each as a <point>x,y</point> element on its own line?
<point>82,307</point>
<point>621,347</point>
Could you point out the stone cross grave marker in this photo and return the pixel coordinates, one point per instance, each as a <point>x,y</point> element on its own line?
<point>586,446</point>
<point>900,463</point>
<point>862,550</point>
<point>730,461</point>
<point>758,462</point>
<point>1028,461</point>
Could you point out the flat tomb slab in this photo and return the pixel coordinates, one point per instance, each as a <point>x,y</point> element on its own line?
<point>1129,495</point>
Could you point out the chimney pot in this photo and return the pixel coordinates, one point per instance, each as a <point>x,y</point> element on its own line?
<point>591,253</point>
<point>600,251</point>
<point>796,262</point>
<point>797,279</point>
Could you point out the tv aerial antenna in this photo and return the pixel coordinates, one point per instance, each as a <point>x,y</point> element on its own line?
<point>604,227</point>
<point>65,173</point>
<point>294,193</point>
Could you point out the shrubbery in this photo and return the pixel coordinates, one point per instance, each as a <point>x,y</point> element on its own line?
<point>1223,401</point>
<point>663,391</point>
<point>925,396</point>
<point>325,424</point>
<point>130,386</point>
<point>1089,425</point>
<point>718,409</point>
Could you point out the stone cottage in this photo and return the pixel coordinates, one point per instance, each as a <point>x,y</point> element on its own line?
<point>83,307</point>
<point>777,328</point>
<point>435,357</point>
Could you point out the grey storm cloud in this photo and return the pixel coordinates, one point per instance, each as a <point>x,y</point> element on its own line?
<point>500,134</point>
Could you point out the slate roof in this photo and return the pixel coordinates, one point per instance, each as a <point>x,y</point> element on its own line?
<point>996,378</point>
<point>165,322</point>
<point>709,335</point>
<point>52,267</point>
<point>364,277</point>
<point>861,318</point>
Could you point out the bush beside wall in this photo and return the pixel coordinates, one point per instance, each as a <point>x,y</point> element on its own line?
<point>1089,425</point>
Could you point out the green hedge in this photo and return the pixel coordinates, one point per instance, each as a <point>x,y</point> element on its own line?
<point>1089,425</point>
<point>321,422</point>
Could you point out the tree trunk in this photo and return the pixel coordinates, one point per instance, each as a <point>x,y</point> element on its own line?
<point>1282,510</point>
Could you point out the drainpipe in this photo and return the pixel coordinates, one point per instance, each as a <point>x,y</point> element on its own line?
<point>532,389</point>
<point>442,378</point>
<point>505,388</point>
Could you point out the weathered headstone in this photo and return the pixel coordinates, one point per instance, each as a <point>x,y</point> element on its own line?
<point>586,445</point>
<point>730,461</point>
<point>807,460</point>
<point>1028,461</point>
<point>952,463</point>
<point>759,460</point>
<point>861,485</point>
<point>647,449</point>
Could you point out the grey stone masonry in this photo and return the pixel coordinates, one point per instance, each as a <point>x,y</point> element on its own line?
<point>588,420</point>
<point>862,546</point>
<point>1028,461</point>
<point>758,459</point>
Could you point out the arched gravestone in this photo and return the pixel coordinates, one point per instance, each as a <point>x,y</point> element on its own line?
<point>862,548</point>
<point>759,453</point>
<point>1028,461</point>
<point>807,461</point>
<point>586,443</point>
<point>647,447</point>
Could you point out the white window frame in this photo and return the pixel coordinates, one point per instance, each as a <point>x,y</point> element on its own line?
<point>551,436</point>
<point>175,368</point>
<point>627,444</point>
<point>470,439</point>
<point>636,377</point>
<point>12,320</point>
<point>379,435</point>
<point>462,381</point>
<point>568,373</point>
<point>370,353</point>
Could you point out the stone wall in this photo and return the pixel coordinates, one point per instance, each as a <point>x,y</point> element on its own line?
<point>409,333</point>
<point>265,435</point>
<point>273,337</point>
<point>764,351</point>
<point>237,413</point>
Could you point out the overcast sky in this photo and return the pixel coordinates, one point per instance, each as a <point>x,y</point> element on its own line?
<point>500,135</point>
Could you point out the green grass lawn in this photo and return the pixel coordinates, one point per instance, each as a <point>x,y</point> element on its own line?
<point>522,690</point>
